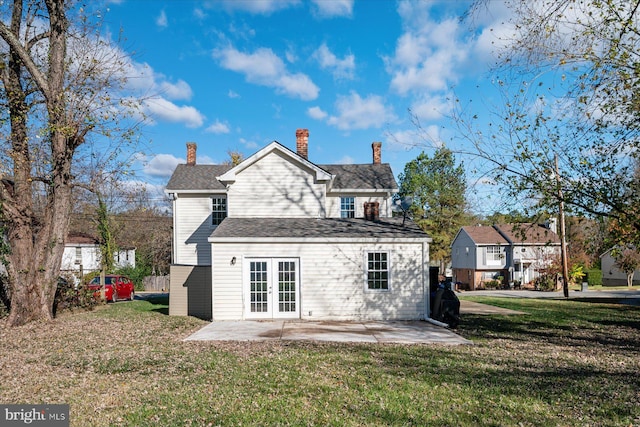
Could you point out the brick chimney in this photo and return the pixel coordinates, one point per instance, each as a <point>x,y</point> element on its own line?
<point>191,153</point>
<point>377,152</point>
<point>372,211</point>
<point>302,142</point>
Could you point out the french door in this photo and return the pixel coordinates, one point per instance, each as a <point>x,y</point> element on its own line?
<point>272,288</point>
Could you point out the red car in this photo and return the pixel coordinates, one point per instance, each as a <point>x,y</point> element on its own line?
<point>116,287</point>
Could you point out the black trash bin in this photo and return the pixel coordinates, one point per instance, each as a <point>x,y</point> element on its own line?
<point>445,307</point>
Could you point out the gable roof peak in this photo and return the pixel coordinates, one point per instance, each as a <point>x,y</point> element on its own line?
<point>275,146</point>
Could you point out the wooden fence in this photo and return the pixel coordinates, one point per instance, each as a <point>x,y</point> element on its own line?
<point>156,283</point>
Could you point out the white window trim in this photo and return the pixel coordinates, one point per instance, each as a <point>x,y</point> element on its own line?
<point>355,205</point>
<point>366,272</point>
<point>492,260</point>
<point>226,205</point>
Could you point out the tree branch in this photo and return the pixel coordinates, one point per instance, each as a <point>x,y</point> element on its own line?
<point>26,59</point>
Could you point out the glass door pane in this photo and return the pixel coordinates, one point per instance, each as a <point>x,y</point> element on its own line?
<point>287,286</point>
<point>259,287</point>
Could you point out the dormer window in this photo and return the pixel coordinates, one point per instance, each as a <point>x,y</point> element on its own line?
<point>347,207</point>
<point>218,209</point>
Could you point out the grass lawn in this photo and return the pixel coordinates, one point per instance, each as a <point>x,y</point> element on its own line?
<point>565,363</point>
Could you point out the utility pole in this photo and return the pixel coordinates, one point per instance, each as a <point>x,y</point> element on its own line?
<point>563,239</point>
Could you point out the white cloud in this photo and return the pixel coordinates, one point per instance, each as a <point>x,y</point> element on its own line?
<point>178,90</point>
<point>142,79</point>
<point>316,113</point>
<point>346,160</point>
<point>355,112</point>
<point>341,68</point>
<point>265,68</point>
<point>160,108</point>
<point>333,8</point>
<point>431,107</point>
<point>233,94</point>
<point>257,7</point>
<point>162,165</point>
<point>427,58</point>
<point>248,144</point>
<point>218,127</point>
<point>199,14</point>
<point>161,20</point>
<point>423,138</point>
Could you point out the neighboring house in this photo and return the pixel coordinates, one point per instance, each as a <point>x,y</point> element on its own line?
<point>510,252</point>
<point>278,236</point>
<point>612,275</point>
<point>82,255</point>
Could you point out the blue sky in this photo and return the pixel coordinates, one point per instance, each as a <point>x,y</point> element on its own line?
<point>236,75</point>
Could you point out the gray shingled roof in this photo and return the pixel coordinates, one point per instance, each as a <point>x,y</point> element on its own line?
<point>365,176</point>
<point>317,228</point>
<point>197,177</point>
<point>353,177</point>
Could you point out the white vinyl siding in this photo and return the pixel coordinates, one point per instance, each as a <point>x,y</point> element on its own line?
<point>331,279</point>
<point>193,226</point>
<point>275,187</point>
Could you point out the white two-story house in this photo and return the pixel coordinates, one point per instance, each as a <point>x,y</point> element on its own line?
<point>278,236</point>
<point>505,252</point>
<point>82,255</point>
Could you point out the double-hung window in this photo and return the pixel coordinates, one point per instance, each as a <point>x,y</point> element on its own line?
<point>218,209</point>
<point>378,271</point>
<point>347,207</point>
<point>494,255</point>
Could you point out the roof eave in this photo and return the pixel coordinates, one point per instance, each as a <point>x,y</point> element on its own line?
<point>363,190</point>
<point>208,191</point>
<point>319,240</point>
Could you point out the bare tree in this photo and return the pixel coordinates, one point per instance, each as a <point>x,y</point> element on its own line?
<point>58,81</point>
<point>569,85</point>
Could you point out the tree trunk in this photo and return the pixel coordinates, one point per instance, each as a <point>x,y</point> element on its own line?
<point>36,239</point>
<point>630,279</point>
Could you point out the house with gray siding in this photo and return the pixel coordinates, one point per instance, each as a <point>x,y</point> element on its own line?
<point>278,236</point>
<point>505,252</point>
<point>612,275</point>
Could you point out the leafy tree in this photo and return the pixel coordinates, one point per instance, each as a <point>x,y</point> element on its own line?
<point>569,85</point>
<point>235,158</point>
<point>437,189</point>
<point>58,80</point>
<point>627,260</point>
<point>512,217</point>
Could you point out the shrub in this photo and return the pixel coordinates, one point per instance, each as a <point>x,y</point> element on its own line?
<point>545,283</point>
<point>492,284</point>
<point>70,296</point>
<point>136,274</point>
<point>594,277</point>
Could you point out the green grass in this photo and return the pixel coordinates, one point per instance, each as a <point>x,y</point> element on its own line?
<point>563,363</point>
